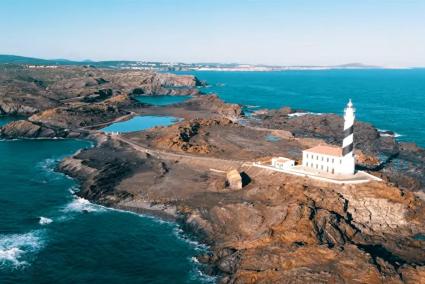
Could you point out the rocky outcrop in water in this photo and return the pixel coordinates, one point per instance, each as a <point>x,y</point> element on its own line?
<point>27,129</point>
<point>400,163</point>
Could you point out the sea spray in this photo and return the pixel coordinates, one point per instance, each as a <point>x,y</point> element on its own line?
<point>45,221</point>
<point>15,249</point>
<point>79,204</point>
<point>388,133</point>
<point>297,114</point>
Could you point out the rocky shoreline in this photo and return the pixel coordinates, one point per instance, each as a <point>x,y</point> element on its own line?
<point>276,229</point>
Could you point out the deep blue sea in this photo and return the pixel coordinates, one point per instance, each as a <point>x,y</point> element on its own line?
<point>47,235</point>
<point>390,99</point>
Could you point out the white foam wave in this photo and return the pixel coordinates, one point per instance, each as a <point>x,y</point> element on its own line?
<point>197,273</point>
<point>48,164</point>
<point>179,233</point>
<point>14,248</point>
<point>387,133</point>
<point>83,205</point>
<point>297,114</point>
<point>251,106</point>
<point>141,215</point>
<point>204,278</point>
<point>194,259</point>
<point>45,221</point>
<point>73,189</point>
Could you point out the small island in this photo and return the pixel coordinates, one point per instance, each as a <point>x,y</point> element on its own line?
<point>200,169</point>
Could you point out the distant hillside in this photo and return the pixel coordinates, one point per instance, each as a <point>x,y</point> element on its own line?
<point>169,66</point>
<point>15,59</point>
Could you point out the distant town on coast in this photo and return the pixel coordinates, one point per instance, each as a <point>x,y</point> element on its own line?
<point>180,66</point>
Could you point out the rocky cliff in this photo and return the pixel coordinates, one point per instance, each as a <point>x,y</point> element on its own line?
<point>62,102</point>
<point>25,91</point>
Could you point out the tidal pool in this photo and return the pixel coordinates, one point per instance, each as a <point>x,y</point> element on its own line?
<point>139,123</point>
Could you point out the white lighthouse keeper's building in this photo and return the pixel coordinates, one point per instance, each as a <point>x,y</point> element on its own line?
<point>334,160</point>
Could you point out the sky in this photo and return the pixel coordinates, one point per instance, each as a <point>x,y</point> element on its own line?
<point>274,32</point>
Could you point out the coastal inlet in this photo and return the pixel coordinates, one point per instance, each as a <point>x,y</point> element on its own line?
<point>49,235</point>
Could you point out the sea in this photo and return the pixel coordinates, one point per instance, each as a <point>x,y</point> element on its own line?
<point>48,235</point>
<point>390,99</point>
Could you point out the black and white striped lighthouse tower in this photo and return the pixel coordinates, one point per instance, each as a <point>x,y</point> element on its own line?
<point>348,162</point>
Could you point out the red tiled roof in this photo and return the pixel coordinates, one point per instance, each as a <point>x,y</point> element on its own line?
<point>326,150</point>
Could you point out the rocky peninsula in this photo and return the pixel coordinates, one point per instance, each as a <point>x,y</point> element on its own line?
<point>278,228</point>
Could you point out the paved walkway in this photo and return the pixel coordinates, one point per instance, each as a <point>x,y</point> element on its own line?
<point>358,177</point>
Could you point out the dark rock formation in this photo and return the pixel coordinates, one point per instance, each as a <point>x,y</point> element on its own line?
<point>398,163</point>
<point>27,129</point>
<point>65,100</point>
<point>25,91</point>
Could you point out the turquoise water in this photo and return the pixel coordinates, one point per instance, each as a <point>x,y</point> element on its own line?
<point>139,123</point>
<point>5,120</point>
<point>390,99</point>
<point>162,100</point>
<point>49,236</point>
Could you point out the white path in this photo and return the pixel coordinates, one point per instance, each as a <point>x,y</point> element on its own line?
<point>358,177</point>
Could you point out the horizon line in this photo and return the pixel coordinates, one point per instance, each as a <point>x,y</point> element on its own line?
<point>365,65</point>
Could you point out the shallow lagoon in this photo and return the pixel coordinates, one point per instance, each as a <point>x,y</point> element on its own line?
<point>139,123</point>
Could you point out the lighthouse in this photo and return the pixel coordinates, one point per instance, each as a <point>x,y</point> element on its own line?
<point>328,159</point>
<point>348,162</point>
